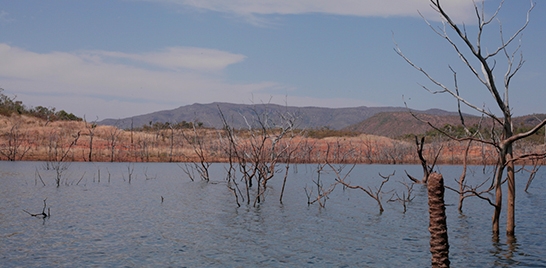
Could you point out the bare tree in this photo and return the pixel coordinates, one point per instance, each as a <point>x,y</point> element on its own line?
<point>113,138</point>
<point>91,129</point>
<point>427,169</point>
<point>60,147</point>
<point>18,143</point>
<point>197,140</point>
<point>375,195</point>
<point>482,62</point>
<point>257,150</point>
<point>406,195</point>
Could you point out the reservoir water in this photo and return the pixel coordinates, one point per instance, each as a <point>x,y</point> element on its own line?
<point>162,219</point>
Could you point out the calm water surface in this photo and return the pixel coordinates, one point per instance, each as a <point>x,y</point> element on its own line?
<point>115,223</point>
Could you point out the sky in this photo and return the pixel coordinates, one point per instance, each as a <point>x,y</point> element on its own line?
<point>120,58</point>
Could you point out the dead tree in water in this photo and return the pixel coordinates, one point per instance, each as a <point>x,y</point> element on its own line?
<point>483,66</point>
<point>427,169</point>
<point>58,152</point>
<point>439,244</point>
<point>256,151</point>
<point>376,195</point>
<point>198,142</point>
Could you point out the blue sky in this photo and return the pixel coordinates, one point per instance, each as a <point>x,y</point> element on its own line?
<point>119,58</point>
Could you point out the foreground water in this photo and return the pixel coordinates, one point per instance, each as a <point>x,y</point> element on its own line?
<point>163,219</point>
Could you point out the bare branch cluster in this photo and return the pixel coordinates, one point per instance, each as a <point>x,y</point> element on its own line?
<point>481,61</point>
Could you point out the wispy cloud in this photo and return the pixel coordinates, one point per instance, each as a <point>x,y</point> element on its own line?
<point>5,17</point>
<point>460,9</point>
<point>125,84</point>
<point>177,58</point>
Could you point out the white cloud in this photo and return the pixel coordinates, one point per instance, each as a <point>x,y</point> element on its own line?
<point>178,75</point>
<point>111,84</point>
<point>191,58</point>
<point>459,9</point>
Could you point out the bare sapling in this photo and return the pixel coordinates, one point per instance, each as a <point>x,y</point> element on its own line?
<point>406,195</point>
<point>322,193</point>
<point>375,195</point>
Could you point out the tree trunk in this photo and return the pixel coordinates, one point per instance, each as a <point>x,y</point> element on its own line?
<point>439,245</point>
<point>498,197</point>
<point>511,195</point>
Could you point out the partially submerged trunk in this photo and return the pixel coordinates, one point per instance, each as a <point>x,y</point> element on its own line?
<point>439,245</point>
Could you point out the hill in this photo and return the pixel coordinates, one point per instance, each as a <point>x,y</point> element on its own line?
<point>390,122</point>
<point>235,114</point>
<point>398,124</point>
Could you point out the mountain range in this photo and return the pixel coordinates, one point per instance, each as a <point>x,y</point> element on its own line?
<point>383,121</point>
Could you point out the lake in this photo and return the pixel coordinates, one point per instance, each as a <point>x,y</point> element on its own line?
<point>163,219</point>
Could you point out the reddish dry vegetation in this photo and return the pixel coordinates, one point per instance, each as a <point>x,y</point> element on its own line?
<point>28,138</point>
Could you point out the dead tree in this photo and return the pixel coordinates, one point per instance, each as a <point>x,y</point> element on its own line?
<point>197,140</point>
<point>406,195</point>
<point>375,195</point>
<point>18,143</point>
<point>482,62</point>
<point>91,129</point>
<point>427,169</point>
<point>341,175</point>
<point>113,138</point>
<point>323,193</point>
<point>256,151</point>
<point>58,151</point>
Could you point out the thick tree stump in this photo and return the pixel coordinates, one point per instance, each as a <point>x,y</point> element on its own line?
<point>439,245</point>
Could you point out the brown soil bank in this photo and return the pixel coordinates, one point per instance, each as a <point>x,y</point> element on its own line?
<point>28,138</point>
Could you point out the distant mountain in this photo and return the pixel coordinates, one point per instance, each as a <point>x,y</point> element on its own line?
<point>235,114</point>
<point>398,124</point>
<point>383,121</point>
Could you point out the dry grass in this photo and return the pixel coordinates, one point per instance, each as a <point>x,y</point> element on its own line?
<point>46,141</point>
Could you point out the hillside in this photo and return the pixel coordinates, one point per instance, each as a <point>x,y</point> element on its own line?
<point>399,124</point>
<point>305,117</point>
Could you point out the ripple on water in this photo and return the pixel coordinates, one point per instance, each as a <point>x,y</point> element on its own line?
<point>170,221</point>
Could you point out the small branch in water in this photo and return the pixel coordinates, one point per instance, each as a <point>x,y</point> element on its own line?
<point>43,214</point>
<point>39,176</point>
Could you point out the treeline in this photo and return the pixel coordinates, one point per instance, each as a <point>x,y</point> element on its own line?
<point>325,132</point>
<point>151,126</point>
<point>9,106</point>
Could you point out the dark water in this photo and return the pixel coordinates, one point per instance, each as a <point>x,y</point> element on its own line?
<point>114,223</point>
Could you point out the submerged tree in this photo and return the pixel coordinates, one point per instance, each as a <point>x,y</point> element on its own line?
<point>481,62</point>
